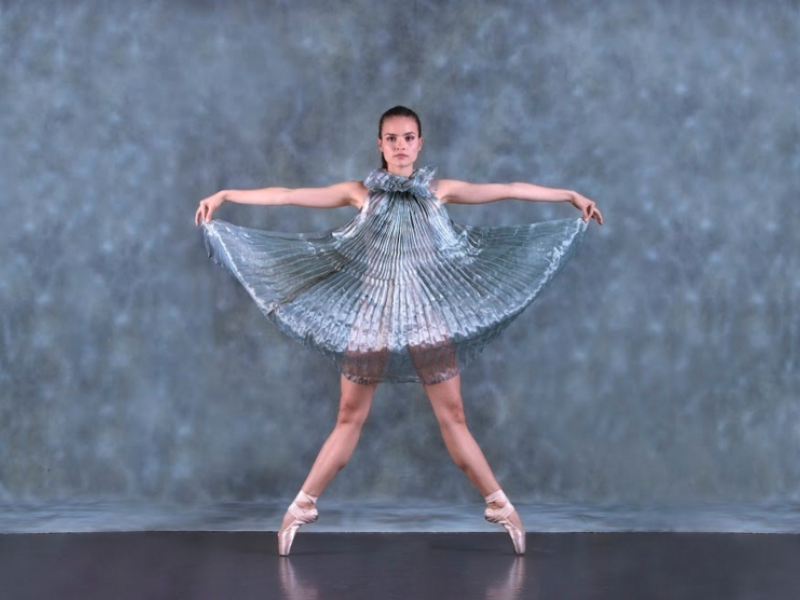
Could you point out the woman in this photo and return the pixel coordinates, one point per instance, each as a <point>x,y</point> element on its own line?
<point>401,293</point>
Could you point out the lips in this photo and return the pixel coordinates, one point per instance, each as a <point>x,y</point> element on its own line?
<point>401,155</point>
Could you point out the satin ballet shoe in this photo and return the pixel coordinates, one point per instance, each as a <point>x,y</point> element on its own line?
<point>500,515</point>
<point>301,517</point>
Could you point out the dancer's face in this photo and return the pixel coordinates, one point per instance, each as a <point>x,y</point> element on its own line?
<point>400,144</point>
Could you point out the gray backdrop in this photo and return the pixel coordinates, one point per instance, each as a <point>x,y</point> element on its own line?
<point>660,367</point>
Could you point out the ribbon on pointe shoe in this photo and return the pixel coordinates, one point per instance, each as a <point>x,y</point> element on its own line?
<point>301,512</point>
<point>500,496</point>
<point>301,495</point>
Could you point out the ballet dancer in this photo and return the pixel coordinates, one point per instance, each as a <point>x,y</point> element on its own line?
<point>401,293</point>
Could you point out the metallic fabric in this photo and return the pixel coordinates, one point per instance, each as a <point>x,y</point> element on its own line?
<point>401,293</point>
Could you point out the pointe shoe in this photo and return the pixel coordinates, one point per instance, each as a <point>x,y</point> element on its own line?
<point>500,515</point>
<point>301,517</point>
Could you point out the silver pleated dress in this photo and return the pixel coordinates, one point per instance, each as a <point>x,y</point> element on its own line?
<point>401,293</point>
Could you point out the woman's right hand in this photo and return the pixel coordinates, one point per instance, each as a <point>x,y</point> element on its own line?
<point>207,207</point>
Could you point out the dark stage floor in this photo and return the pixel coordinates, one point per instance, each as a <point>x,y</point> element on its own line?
<point>383,566</point>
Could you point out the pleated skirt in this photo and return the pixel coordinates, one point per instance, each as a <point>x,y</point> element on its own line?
<point>398,296</point>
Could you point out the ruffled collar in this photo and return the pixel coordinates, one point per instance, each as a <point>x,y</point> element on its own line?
<point>417,183</point>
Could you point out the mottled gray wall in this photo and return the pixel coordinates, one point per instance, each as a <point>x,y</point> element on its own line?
<point>662,365</point>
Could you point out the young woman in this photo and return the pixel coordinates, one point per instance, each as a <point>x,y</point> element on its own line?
<point>401,293</point>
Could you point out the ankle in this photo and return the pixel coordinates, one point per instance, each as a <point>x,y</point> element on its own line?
<point>305,500</point>
<point>496,499</point>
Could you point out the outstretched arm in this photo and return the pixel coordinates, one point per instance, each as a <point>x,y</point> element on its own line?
<point>461,192</point>
<point>332,196</point>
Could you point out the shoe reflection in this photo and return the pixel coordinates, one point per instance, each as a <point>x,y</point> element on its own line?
<point>293,587</point>
<point>512,586</point>
<point>508,587</point>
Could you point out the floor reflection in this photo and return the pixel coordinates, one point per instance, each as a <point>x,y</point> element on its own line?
<point>388,566</point>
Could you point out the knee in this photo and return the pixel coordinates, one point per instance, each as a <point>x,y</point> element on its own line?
<point>352,413</point>
<point>451,416</point>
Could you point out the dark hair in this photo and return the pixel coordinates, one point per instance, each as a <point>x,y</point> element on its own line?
<point>397,111</point>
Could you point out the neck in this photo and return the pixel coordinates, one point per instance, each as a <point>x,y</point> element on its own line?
<point>405,171</point>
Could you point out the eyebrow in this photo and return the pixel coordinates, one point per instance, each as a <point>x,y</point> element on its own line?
<point>406,133</point>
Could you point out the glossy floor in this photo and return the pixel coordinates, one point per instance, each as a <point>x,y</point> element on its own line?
<point>385,566</point>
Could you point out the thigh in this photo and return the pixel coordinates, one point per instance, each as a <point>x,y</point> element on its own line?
<point>446,401</point>
<point>355,400</point>
<point>367,350</point>
<point>434,363</point>
<point>431,348</point>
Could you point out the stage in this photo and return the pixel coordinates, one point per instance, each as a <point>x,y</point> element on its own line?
<point>406,549</point>
<point>385,566</point>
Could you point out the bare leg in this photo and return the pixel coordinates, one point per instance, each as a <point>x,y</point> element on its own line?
<point>448,407</point>
<point>341,443</point>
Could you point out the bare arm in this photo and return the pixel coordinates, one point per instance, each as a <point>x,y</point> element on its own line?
<point>332,196</point>
<point>461,192</point>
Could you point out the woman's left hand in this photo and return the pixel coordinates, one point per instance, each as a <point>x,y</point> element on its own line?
<point>587,207</point>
